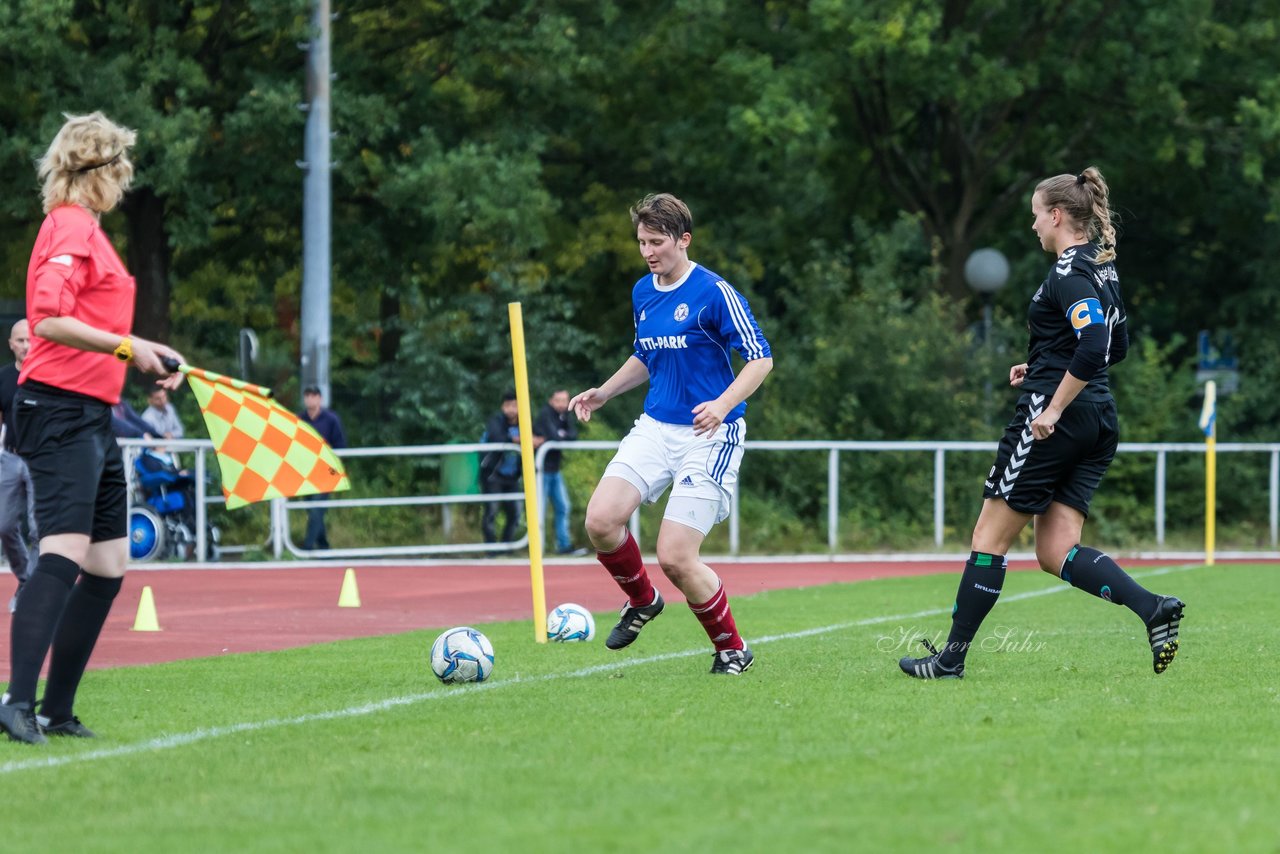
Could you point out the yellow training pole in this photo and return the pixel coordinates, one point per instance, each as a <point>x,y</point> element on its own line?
<point>530,476</point>
<point>1208,423</point>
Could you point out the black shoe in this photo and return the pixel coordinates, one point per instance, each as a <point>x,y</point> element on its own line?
<point>633,620</point>
<point>930,667</point>
<point>573,552</point>
<point>732,662</point>
<point>1162,632</point>
<point>19,723</point>
<point>70,727</point>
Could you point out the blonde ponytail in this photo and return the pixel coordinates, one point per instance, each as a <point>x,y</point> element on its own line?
<point>1086,199</point>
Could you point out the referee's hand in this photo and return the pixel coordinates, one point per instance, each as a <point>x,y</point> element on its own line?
<point>148,357</point>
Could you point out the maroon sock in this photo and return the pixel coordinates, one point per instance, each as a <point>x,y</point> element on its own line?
<point>717,621</point>
<point>627,568</point>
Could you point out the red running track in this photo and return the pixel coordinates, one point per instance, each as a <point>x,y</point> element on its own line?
<point>211,612</point>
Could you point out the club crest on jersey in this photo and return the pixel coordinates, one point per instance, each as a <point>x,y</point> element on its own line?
<point>682,311</point>
<point>1084,313</point>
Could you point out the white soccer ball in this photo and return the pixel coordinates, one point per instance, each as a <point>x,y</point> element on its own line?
<point>462,654</point>
<point>570,622</point>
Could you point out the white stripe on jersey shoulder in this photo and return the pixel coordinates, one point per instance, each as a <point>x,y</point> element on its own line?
<point>741,322</point>
<point>64,260</point>
<point>693,265</point>
<point>1064,261</point>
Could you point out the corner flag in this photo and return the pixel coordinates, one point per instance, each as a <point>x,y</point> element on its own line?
<point>1209,414</point>
<point>1208,423</point>
<point>263,449</point>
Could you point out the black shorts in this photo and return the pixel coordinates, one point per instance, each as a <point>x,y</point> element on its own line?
<point>77,470</point>
<point>1066,467</point>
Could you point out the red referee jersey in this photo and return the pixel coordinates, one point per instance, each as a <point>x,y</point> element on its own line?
<point>75,272</point>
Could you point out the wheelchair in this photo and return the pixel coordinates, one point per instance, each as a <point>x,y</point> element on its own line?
<point>162,515</point>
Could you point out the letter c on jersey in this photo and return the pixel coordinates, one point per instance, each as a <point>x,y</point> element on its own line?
<point>1085,312</point>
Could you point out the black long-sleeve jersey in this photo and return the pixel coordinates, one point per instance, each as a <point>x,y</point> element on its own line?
<point>1077,323</point>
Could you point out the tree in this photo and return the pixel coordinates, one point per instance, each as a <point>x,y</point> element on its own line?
<point>210,87</point>
<point>962,106</point>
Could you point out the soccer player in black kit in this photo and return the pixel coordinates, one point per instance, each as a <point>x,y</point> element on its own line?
<point>1063,434</point>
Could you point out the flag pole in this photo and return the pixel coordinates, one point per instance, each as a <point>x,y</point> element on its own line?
<point>1208,423</point>
<point>531,512</point>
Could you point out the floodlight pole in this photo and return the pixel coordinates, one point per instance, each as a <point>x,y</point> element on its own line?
<point>316,205</point>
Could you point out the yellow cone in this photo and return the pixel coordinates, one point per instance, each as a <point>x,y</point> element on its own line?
<point>146,620</point>
<point>350,595</point>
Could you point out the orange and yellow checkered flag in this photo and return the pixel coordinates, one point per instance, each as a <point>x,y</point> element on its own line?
<point>263,449</point>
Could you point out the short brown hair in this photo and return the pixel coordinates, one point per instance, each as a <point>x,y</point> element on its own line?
<point>87,164</point>
<point>663,212</point>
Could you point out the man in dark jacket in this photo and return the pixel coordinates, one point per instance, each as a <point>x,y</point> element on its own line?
<point>500,470</point>
<point>555,424</point>
<point>327,423</point>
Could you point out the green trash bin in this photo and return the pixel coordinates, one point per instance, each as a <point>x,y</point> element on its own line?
<point>459,475</point>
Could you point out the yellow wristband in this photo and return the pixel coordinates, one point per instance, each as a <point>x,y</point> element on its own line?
<point>124,350</point>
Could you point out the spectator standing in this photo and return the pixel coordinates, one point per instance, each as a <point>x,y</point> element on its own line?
<point>555,425</point>
<point>327,423</point>
<point>500,470</point>
<point>16,494</point>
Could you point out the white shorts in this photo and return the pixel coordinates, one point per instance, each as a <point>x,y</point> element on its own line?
<point>704,469</point>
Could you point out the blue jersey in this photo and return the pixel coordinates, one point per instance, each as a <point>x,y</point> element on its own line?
<point>684,332</point>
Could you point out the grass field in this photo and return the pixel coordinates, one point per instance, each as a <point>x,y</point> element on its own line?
<point>1059,738</point>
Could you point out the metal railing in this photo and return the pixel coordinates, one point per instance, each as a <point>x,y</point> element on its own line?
<point>939,450</point>
<point>279,540</point>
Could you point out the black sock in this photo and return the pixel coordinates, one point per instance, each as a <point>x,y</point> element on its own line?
<point>40,607</point>
<point>1094,572</point>
<point>87,608</point>
<point>979,589</point>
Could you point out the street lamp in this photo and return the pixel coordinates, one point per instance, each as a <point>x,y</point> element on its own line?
<point>986,271</point>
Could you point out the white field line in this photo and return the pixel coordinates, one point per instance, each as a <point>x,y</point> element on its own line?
<point>169,742</point>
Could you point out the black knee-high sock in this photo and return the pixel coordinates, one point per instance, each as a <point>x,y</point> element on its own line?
<point>40,607</point>
<point>1094,572</point>
<point>86,611</point>
<point>979,589</point>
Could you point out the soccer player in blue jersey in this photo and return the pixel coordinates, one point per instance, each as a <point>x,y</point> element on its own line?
<point>689,437</point>
<point>1063,434</point>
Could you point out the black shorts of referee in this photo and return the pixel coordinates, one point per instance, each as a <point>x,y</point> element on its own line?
<point>77,470</point>
<point>1066,467</point>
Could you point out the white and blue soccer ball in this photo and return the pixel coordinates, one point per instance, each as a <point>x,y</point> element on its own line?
<point>570,622</point>
<point>462,654</point>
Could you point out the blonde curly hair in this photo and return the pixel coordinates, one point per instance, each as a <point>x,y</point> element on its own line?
<point>87,164</point>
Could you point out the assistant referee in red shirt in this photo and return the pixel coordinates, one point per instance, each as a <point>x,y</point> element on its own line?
<point>80,302</point>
